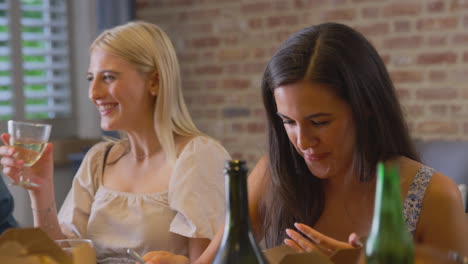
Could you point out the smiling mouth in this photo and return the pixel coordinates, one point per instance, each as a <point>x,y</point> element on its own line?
<point>316,157</point>
<point>106,109</point>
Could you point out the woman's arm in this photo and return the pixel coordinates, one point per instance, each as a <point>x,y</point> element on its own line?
<point>255,184</point>
<point>443,222</point>
<point>42,197</point>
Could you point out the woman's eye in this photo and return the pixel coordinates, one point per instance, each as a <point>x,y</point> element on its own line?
<point>321,123</point>
<point>288,122</point>
<point>89,78</point>
<point>108,78</point>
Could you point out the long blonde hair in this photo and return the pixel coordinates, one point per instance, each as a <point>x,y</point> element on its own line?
<point>150,49</point>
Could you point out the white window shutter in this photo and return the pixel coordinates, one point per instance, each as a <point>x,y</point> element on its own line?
<point>37,60</point>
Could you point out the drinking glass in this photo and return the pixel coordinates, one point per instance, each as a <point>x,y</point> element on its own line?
<point>29,140</point>
<point>82,250</point>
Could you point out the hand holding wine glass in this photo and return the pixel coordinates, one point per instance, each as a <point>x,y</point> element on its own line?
<point>26,143</point>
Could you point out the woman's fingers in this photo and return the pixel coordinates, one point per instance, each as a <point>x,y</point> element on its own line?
<point>300,242</point>
<point>320,239</point>
<point>292,244</point>
<point>12,173</point>
<point>355,241</point>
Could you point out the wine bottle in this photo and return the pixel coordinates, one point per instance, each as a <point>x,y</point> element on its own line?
<point>389,241</point>
<point>238,245</point>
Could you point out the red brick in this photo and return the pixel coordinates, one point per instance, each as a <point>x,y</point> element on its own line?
<point>255,7</point>
<point>254,68</point>
<point>456,5</point>
<point>402,26</point>
<point>255,23</point>
<point>459,75</point>
<point>465,128</point>
<point>438,109</point>
<point>231,40</point>
<point>198,28</point>
<point>301,4</point>
<point>403,42</point>
<point>343,14</point>
<point>234,54</point>
<point>465,93</point>
<point>437,41</point>
<point>436,6</point>
<point>457,110</point>
<point>255,127</point>
<point>439,23</point>
<point>460,39</point>
<point>437,58</point>
<point>370,12</point>
<point>444,127</point>
<point>236,112</point>
<point>259,112</point>
<point>139,4</point>
<point>386,58</point>
<point>437,76</point>
<point>414,111</point>
<point>206,14</point>
<point>233,68</point>
<point>210,84</point>
<point>403,93</point>
<point>465,56</point>
<point>188,57</point>
<point>209,69</point>
<point>236,84</point>
<point>171,3</point>
<point>374,29</point>
<point>436,93</point>
<point>402,9</point>
<point>406,76</point>
<point>238,127</point>
<point>283,5</point>
<point>276,21</point>
<point>206,42</point>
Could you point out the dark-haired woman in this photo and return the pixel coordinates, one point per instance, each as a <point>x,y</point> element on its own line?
<point>332,115</point>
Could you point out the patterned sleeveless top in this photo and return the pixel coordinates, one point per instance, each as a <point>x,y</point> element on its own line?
<point>413,202</point>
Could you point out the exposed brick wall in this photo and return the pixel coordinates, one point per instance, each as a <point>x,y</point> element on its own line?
<point>223,46</point>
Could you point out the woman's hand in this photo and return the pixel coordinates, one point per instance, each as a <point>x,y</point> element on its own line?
<point>41,172</point>
<point>317,241</point>
<point>164,257</point>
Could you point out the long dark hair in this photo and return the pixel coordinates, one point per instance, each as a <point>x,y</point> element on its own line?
<point>343,59</point>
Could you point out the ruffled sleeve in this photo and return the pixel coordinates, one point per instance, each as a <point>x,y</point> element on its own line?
<point>196,189</point>
<point>75,210</point>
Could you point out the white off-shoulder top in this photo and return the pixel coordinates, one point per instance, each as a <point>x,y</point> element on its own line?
<point>193,206</point>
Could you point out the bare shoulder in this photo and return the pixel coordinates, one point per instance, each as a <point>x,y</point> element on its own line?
<point>442,221</point>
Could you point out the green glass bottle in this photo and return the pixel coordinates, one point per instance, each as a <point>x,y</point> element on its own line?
<point>389,241</point>
<point>238,245</point>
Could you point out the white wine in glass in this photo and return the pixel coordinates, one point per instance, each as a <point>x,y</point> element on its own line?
<point>29,150</point>
<point>29,140</point>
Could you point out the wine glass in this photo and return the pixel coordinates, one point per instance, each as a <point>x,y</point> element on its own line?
<point>29,141</point>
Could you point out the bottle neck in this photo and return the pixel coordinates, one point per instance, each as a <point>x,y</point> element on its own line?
<point>388,210</point>
<point>236,200</point>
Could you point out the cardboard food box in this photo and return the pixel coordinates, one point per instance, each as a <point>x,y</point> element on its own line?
<point>34,246</point>
<point>286,255</point>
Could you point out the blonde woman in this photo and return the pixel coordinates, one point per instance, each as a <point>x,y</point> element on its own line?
<point>161,186</point>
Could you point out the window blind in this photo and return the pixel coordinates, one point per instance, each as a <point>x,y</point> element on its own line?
<point>34,59</point>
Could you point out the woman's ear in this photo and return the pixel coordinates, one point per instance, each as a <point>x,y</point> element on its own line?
<point>153,83</point>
